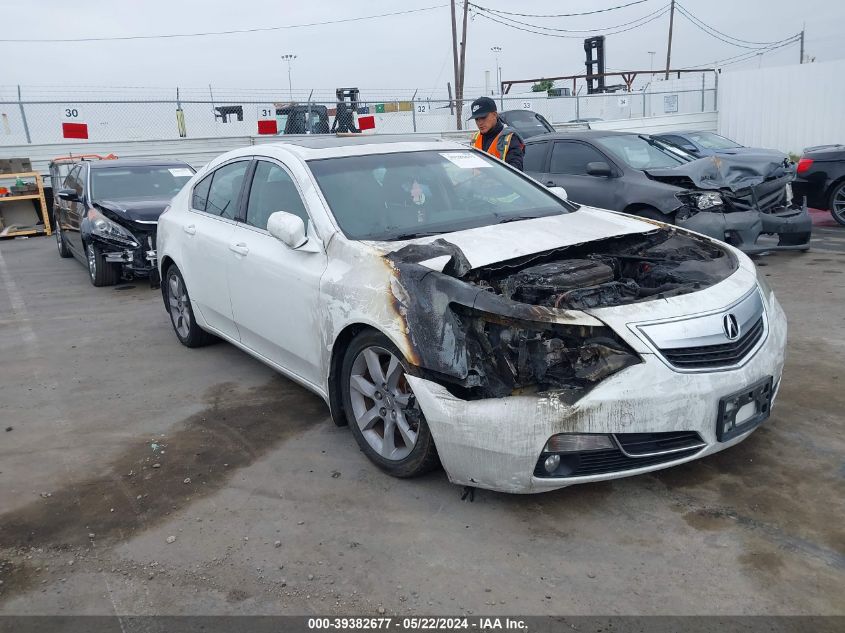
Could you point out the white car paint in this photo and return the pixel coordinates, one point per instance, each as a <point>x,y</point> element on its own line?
<point>288,307</point>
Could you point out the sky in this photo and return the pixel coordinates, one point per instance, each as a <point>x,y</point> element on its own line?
<point>393,55</point>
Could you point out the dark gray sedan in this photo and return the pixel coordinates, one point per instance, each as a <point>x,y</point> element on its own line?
<point>736,199</point>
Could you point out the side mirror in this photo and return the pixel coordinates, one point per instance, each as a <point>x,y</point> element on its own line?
<point>68,194</point>
<point>560,192</point>
<point>287,228</point>
<point>692,149</point>
<point>599,168</point>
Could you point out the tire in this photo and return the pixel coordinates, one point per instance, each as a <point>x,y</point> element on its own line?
<point>64,252</point>
<point>100,272</point>
<point>651,213</point>
<point>836,203</point>
<point>379,410</point>
<point>178,304</point>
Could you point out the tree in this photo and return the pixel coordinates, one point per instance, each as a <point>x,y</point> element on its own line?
<point>544,85</point>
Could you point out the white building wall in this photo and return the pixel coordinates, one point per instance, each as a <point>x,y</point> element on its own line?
<point>786,108</point>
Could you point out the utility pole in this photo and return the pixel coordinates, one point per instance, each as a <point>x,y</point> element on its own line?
<point>463,61</point>
<point>669,46</point>
<point>455,59</point>
<point>803,26</point>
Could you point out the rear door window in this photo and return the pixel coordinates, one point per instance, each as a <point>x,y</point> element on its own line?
<point>225,190</point>
<point>535,157</point>
<point>200,195</point>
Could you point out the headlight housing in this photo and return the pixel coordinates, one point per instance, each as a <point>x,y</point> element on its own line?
<point>507,356</point>
<point>110,230</point>
<point>707,200</point>
<point>701,200</point>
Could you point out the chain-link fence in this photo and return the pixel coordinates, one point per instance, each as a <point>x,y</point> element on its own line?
<point>25,120</point>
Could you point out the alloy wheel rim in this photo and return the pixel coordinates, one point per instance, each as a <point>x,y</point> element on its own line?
<point>383,403</point>
<point>839,203</point>
<point>177,300</point>
<point>92,261</point>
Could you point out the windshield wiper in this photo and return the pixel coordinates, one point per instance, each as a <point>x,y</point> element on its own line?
<point>413,236</point>
<point>517,218</point>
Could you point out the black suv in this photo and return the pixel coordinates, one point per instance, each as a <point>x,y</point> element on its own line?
<point>107,214</point>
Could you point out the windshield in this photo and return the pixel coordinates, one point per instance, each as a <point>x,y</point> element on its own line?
<point>709,140</point>
<point>153,181</point>
<point>526,123</point>
<point>642,153</point>
<point>411,194</point>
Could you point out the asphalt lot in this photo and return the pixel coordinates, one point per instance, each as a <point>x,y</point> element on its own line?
<point>117,438</point>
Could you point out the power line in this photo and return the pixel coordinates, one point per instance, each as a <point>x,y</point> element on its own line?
<point>565,15</point>
<point>741,57</point>
<point>548,28</point>
<point>519,28</point>
<point>714,32</point>
<point>232,32</point>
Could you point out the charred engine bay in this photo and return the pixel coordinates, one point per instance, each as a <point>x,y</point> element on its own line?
<point>491,331</point>
<point>609,272</point>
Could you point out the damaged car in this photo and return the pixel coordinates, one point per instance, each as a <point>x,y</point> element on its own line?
<point>452,311</point>
<point>745,200</point>
<point>107,213</point>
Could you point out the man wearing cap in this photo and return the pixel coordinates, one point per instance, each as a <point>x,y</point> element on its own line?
<point>493,136</point>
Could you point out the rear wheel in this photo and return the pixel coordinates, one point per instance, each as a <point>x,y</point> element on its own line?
<point>837,203</point>
<point>178,305</point>
<point>100,272</point>
<point>60,241</point>
<point>381,408</point>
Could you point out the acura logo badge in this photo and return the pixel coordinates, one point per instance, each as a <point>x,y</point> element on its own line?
<point>731,326</point>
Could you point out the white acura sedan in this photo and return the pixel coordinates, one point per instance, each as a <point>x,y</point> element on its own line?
<point>451,310</point>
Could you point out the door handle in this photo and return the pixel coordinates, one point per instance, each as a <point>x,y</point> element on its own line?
<point>191,229</point>
<point>550,183</point>
<point>239,248</point>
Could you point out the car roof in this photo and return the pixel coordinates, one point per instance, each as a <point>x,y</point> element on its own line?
<point>135,162</point>
<point>579,134</point>
<point>316,146</point>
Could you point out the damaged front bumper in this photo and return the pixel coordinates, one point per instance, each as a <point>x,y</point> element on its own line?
<point>499,443</point>
<point>742,229</point>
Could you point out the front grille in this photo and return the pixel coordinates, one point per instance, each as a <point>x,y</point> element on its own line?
<point>611,460</point>
<point>715,356</point>
<point>644,443</point>
<point>768,198</point>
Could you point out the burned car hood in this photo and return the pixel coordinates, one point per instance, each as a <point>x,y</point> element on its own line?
<point>499,242</point>
<point>733,173</point>
<point>134,210</point>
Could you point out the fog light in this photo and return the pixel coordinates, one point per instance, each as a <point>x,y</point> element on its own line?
<point>577,442</point>
<point>551,463</point>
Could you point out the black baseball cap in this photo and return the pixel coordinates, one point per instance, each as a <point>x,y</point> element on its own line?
<point>481,107</point>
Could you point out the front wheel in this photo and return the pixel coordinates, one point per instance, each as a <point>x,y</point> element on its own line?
<point>178,305</point>
<point>837,203</point>
<point>100,272</point>
<point>381,409</point>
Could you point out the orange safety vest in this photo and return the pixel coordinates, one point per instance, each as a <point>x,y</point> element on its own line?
<point>500,145</point>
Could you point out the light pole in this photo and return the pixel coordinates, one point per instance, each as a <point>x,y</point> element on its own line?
<point>496,50</point>
<point>289,57</point>
<point>651,62</point>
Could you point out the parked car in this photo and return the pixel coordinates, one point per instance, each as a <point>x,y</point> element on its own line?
<point>449,308</point>
<point>821,179</point>
<point>700,143</point>
<point>108,211</point>
<point>736,199</point>
<point>526,122</point>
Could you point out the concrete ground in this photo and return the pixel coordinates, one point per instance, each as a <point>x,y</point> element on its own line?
<point>141,477</point>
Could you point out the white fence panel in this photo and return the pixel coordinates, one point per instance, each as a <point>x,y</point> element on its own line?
<point>786,108</point>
